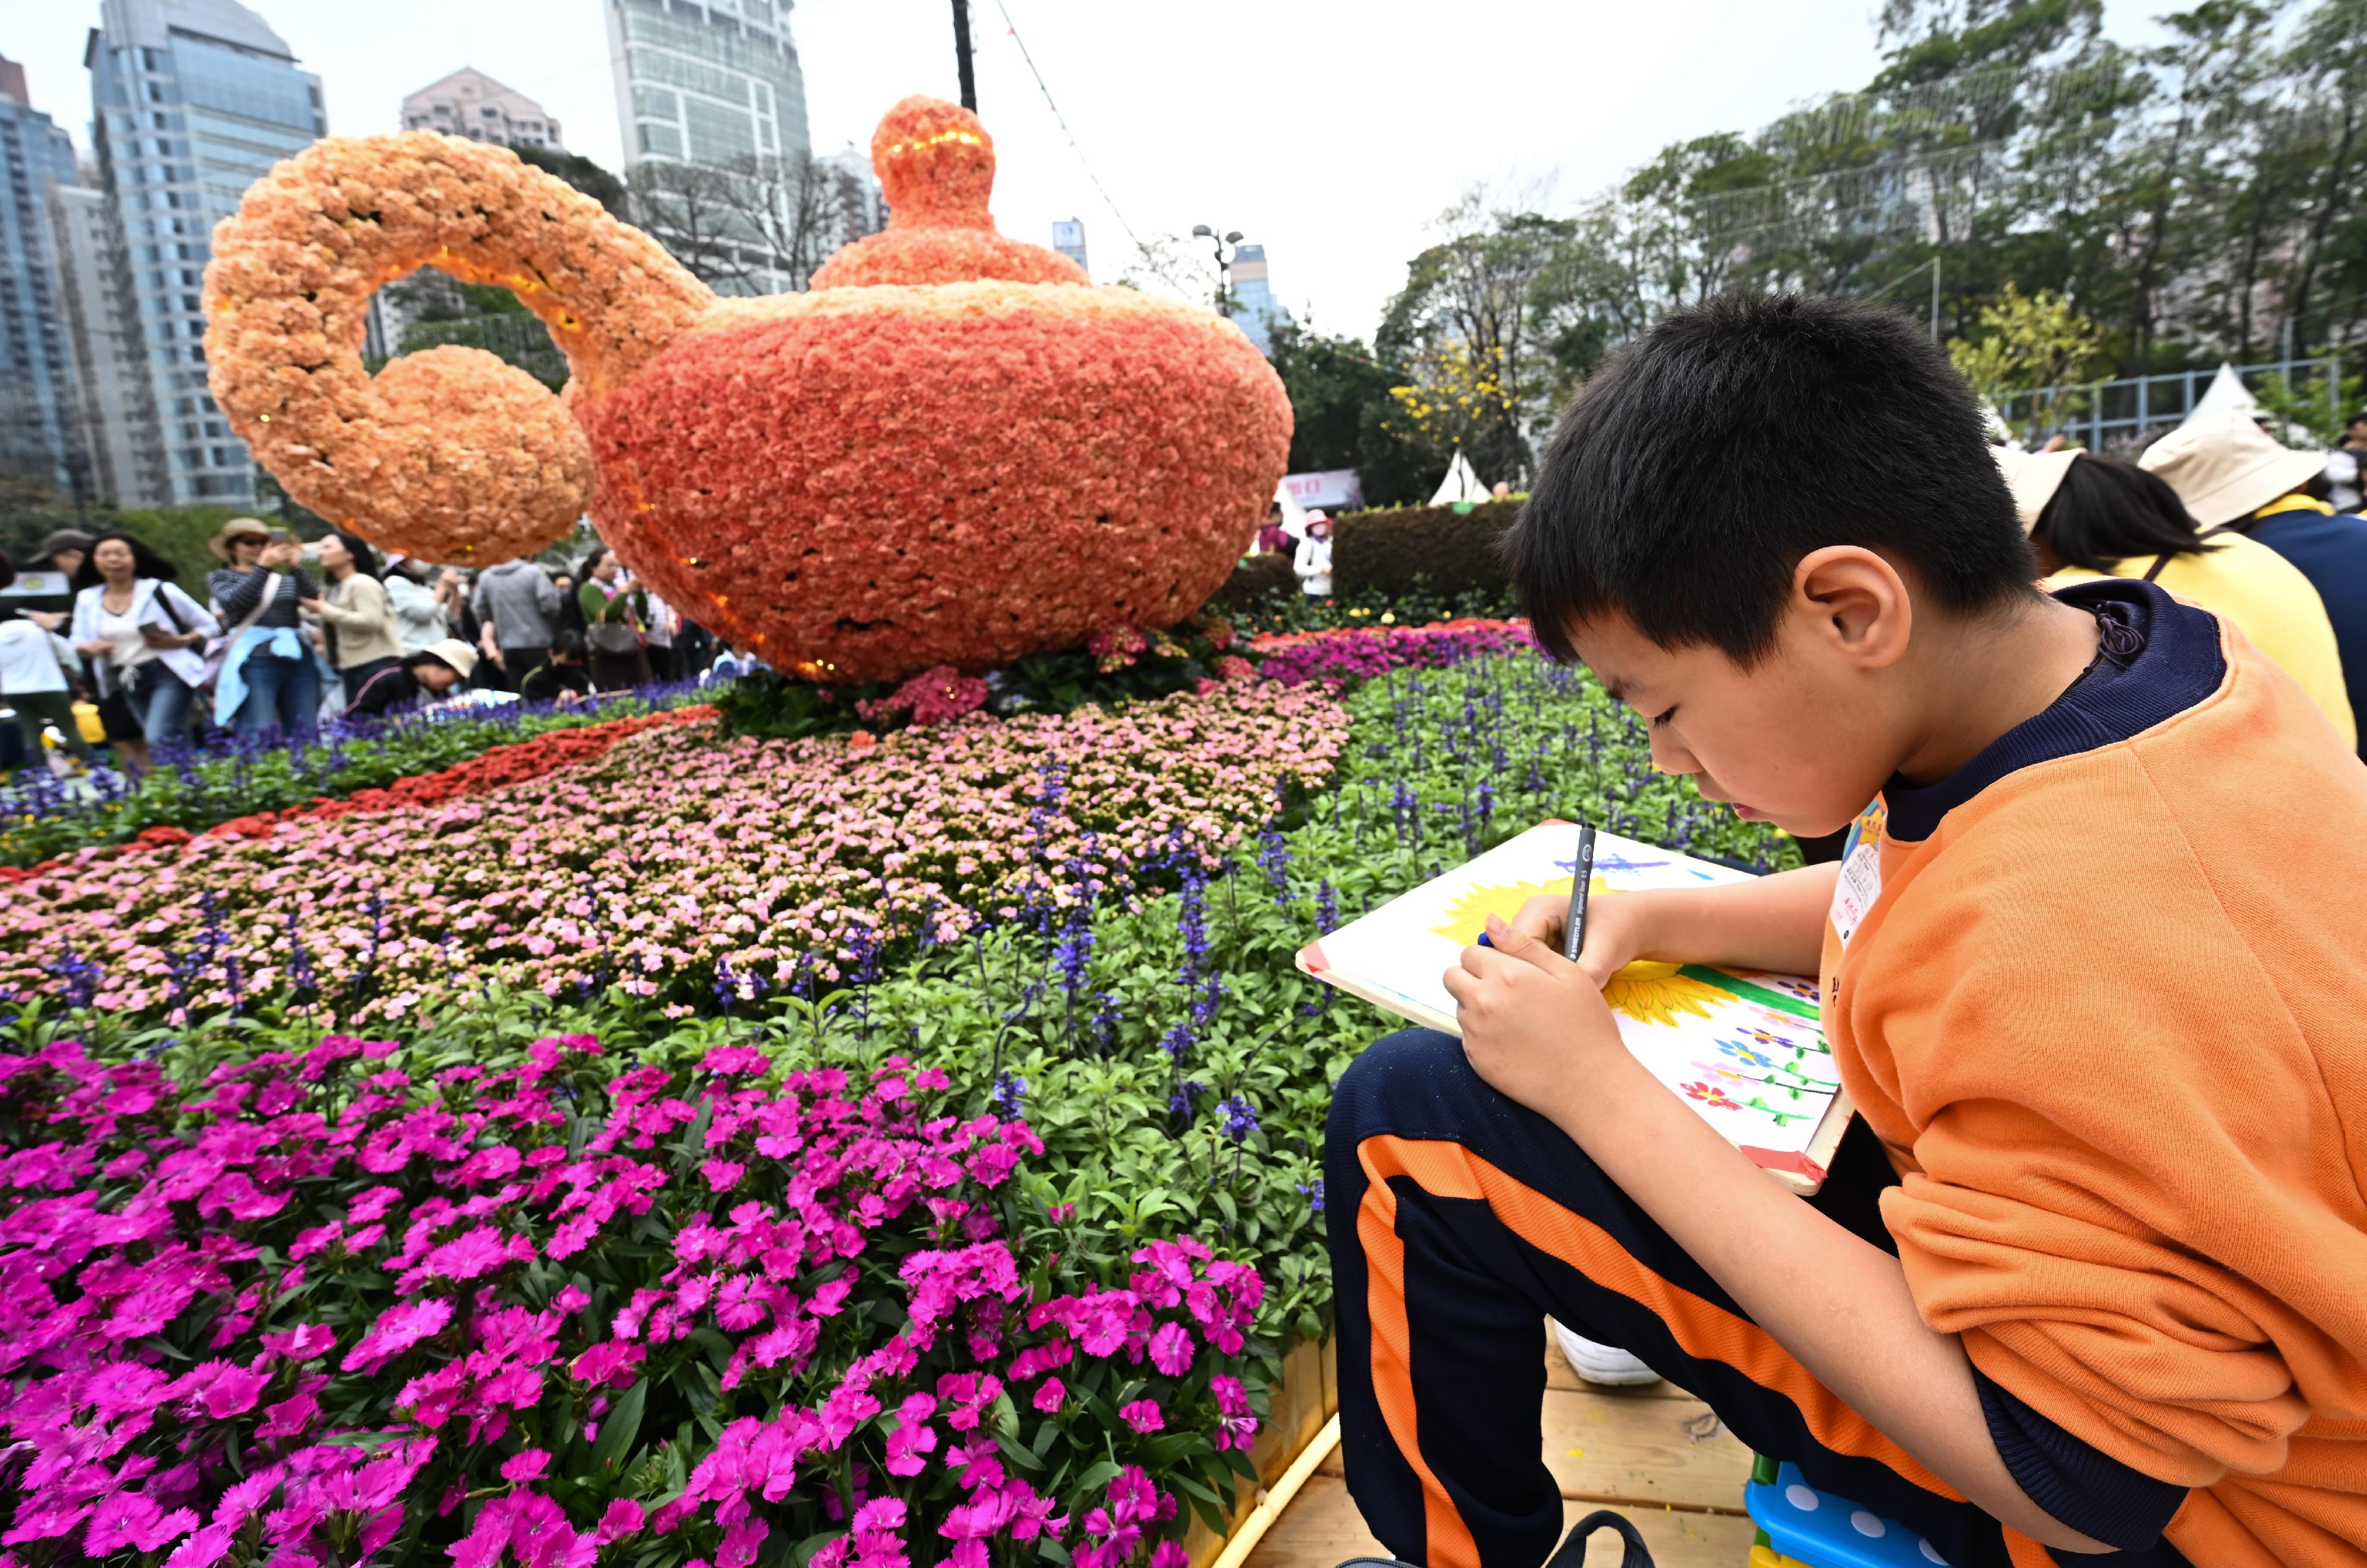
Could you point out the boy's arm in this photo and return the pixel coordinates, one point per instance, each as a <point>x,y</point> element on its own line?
<point>1534,1027</point>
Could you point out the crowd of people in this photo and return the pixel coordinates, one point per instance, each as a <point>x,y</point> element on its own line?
<point>285,633</point>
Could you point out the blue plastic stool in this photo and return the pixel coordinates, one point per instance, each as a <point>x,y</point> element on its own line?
<point>1800,1527</point>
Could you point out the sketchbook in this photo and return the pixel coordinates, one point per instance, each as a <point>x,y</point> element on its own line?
<point>1745,1049</point>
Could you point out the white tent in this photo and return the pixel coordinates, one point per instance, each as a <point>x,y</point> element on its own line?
<point>1294,516</point>
<point>2226,391</point>
<point>1460,484</point>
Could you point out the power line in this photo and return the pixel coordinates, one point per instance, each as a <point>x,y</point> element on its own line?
<point>1059,118</point>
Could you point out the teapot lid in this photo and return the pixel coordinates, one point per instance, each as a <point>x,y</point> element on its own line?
<point>935,163</point>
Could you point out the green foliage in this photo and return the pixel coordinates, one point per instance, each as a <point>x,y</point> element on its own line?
<point>2025,351</point>
<point>1389,566</point>
<point>2321,411</point>
<point>781,707</point>
<point>580,172</point>
<point>1340,405</point>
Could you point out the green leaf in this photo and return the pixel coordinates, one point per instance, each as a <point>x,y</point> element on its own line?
<point>1099,1476</point>
<point>622,1424</point>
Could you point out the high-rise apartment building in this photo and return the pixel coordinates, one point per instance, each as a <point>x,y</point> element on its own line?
<point>114,410</point>
<point>37,383</point>
<point>191,102</point>
<point>1254,308</point>
<point>470,103</point>
<point>709,83</point>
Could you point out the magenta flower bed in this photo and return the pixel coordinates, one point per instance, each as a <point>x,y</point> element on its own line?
<point>1363,652</point>
<point>346,1305</point>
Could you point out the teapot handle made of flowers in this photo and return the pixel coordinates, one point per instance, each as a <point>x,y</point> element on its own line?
<point>449,453</point>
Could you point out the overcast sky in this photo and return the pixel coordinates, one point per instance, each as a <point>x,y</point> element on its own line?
<point>1333,131</point>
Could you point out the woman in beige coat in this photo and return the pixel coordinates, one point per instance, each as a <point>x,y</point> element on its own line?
<point>357,619</point>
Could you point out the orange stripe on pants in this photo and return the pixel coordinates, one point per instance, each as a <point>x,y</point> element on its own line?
<point>1702,1329</point>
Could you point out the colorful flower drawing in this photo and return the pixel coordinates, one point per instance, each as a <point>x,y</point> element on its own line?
<point>1711,1095</point>
<point>1746,1054</point>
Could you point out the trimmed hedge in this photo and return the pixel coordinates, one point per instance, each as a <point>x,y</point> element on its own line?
<point>1391,554</point>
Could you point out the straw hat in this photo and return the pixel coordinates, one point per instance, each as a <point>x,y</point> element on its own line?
<point>2225,466</point>
<point>2034,477</point>
<point>219,543</point>
<point>451,651</point>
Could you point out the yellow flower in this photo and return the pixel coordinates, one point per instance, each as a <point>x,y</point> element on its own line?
<point>1650,992</point>
<point>1467,916</point>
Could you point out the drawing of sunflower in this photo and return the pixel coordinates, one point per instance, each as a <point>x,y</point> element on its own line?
<point>1467,916</point>
<point>1650,992</point>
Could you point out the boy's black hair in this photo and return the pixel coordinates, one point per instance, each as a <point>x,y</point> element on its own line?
<point>568,643</point>
<point>2106,511</point>
<point>1694,470</point>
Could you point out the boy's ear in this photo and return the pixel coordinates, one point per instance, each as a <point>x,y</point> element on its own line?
<point>1856,604</point>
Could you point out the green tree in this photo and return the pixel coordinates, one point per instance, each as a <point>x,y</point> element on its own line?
<point>2028,347</point>
<point>1340,408</point>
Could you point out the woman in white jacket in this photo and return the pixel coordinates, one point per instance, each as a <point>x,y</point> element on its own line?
<point>143,639</point>
<point>1313,562</point>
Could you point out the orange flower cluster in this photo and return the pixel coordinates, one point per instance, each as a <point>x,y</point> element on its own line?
<point>862,482</point>
<point>953,451</point>
<point>450,454</point>
<point>935,165</point>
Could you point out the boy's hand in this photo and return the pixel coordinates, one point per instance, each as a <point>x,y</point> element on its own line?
<point>1534,1023</point>
<point>1614,930</point>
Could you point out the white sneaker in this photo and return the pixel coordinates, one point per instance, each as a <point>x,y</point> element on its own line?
<point>1605,1366</point>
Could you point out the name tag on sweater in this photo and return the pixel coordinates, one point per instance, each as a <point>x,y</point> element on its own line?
<point>1860,883</point>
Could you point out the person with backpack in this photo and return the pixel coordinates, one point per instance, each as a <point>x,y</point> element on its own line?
<point>143,639</point>
<point>270,680</point>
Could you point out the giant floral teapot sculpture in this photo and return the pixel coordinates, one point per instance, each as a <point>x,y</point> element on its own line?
<point>953,450</point>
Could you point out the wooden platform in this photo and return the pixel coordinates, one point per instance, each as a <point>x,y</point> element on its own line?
<point>1655,1455</point>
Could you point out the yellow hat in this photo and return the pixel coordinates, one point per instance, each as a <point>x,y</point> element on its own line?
<point>2223,466</point>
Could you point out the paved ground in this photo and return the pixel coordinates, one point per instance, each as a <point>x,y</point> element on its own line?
<point>1655,1453</point>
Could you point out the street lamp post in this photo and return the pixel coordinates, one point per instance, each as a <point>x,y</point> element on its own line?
<point>962,56</point>
<point>1224,263</point>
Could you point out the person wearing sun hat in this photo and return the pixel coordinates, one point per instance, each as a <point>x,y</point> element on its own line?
<point>270,680</point>
<point>2229,471</point>
<point>2091,517</point>
<point>429,673</point>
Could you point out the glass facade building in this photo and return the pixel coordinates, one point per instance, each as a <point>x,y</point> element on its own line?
<point>1254,308</point>
<point>36,377</point>
<point>191,102</point>
<point>713,83</point>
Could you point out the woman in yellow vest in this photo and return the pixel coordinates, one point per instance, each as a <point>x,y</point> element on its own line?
<point>2091,516</point>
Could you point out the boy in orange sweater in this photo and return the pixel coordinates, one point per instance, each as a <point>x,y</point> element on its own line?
<point>2095,977</point>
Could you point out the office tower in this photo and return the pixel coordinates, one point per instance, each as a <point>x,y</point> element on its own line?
<point>192,101</point>
<point>711,83</point>
<point>713,105</point>
<point>1253,306</point>
<point>114,410</point>
<point>470,103</point>
<point>1068,239</point>
<point>36,386</point>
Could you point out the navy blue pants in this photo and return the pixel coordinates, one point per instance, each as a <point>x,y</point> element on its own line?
<point>1459,1220</point>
